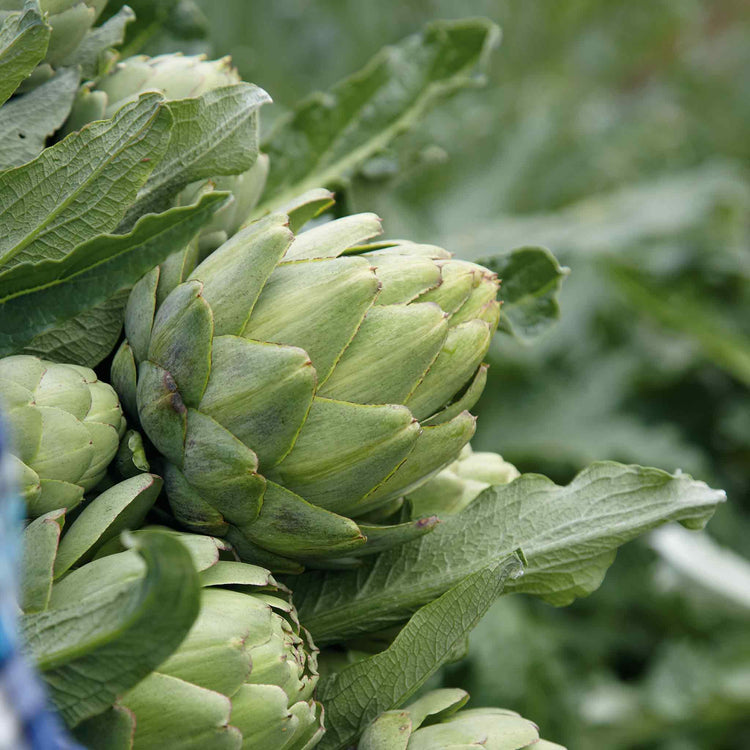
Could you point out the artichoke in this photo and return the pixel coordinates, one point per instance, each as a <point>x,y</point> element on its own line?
<point>175,75</point>
<point>295,383</point>
<point>459,484</point>
<point>243,677</point>
<point>436,720</point>
<point>65,427</point>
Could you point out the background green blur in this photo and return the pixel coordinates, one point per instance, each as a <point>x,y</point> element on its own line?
<point>615,133</point>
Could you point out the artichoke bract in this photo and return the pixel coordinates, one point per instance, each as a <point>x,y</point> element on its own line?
<point>437,720</point>
<point>243,677</point>
<point>65,427</point>
<point>295,383</point>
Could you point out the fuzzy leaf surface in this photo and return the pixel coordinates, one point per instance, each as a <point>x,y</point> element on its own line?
<point>26,121</point>
<point>213,134</point>
<point>41,302</point>
<point>569,535</point>
<point>82,186</point>
<point>24,37</point>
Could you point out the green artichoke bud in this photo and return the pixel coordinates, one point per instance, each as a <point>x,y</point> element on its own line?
<point>461,483</point>
<point>65,426</point>
<point>438,720</point>
<point>176,76</point>
<point>294,383</point>
<point>244,676</point>
<point>233,668</point>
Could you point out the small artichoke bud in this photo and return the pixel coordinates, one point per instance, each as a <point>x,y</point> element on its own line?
<point>460,483</point>
<point>438,720</point>
<point>65,428</point>
<point>176,76</point>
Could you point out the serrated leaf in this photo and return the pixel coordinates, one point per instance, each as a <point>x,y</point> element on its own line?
<point>213,134</point>
<point>82,186</point>
<point>40,300</point>
<point>24,37</point>
<point>356,695</point>
<point>530,279</point>
<point>79,648</point>
<point>331,134</point>
<point>26,121</point>
<point>569,535</point>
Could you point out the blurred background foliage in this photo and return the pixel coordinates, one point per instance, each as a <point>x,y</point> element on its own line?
<point>616,134</point>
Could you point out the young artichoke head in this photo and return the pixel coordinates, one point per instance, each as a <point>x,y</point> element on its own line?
<point>461,482</point>
<point>244,676</point>
<point>438,720</point>
<point>295,383</point>
<point>65,426</point>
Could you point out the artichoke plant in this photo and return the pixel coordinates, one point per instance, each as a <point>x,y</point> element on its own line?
<point>295,383</point>
<point>65,427</point>
<point>438,720</point>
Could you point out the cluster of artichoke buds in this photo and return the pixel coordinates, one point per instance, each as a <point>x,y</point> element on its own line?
<point>438,720</point>
<point>297,383</point>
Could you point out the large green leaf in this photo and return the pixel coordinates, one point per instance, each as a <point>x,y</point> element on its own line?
<point>355,696</point>
<point>530,281</point>
<point>90,652</point>
<point>26,121</point>
<point>569,535</point>
<point>38,301</point>
<point>82,186</point>
<point>24,37</point>
<point>331,134</point>
<point>213,134</point>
